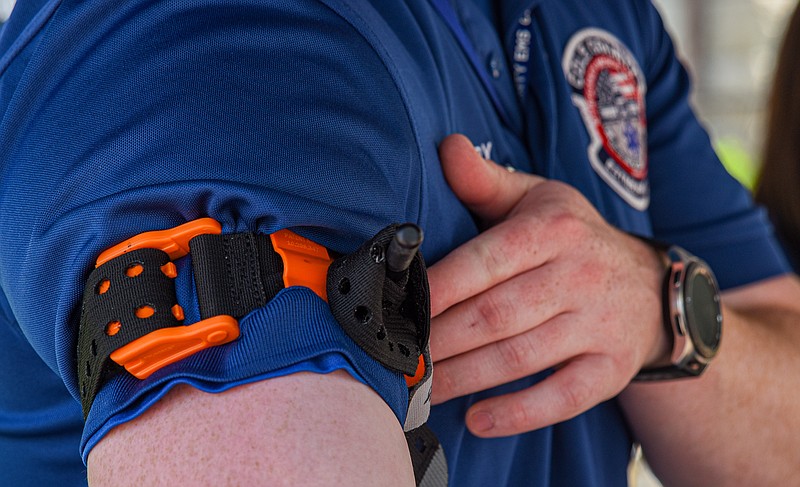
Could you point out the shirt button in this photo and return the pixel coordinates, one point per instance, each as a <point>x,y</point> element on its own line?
<point>495,67</point>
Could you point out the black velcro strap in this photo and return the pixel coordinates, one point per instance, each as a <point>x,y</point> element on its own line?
<point>235,273</point>
<point>389,322</point>
<point>112,295</point>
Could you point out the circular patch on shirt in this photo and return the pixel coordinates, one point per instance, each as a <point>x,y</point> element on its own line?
<point>608,88</point>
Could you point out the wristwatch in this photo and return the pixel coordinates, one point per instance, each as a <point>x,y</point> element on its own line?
<point>692,314</point>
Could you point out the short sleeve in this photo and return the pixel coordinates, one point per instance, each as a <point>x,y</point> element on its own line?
<point>144,115</point>
<point>695,203</point>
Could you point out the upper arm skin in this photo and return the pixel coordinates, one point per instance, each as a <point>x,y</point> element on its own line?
<point>736,424</point>
<point>301,429</point>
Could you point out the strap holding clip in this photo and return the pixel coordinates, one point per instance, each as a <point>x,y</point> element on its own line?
<point>130,320</point>
<point>130,316</point>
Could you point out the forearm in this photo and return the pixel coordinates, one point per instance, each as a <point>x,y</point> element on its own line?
<point>737,424</point>
<point>302,429</point>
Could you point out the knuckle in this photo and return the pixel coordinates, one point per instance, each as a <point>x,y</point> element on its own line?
<point>576,395</point>
<point>519,417</point>
<point>564,191</point>
<point>493,260</point>
<point>570,226</point>
<point>552,186</point>
<point>443,383</point>
<point>515,354</point>
<point>569,213</point>
<point>494,314</point>
<point>558,192</point>
<point>519,235</point>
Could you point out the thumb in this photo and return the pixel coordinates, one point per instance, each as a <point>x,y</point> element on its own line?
<point>487,189</point>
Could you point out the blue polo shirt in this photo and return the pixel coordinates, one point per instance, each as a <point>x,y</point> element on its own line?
<point>324,116</point>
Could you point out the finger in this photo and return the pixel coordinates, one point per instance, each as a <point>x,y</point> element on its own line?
<point>582,384</point>
<point>506,310</point>
<point>507,360</point>
<point>487,189</point>
<point>494,256</point>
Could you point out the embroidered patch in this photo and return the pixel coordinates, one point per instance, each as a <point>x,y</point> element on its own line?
<point>608,88</point>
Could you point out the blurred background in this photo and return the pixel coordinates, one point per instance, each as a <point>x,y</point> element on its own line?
<point>5,9</point>
<point>729,48</point>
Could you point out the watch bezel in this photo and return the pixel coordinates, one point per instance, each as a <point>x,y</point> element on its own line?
<point>690,352</point>
<point>707,349</point>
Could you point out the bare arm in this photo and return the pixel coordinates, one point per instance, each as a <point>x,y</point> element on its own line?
<point>302,429</point>
<point>738,423</point>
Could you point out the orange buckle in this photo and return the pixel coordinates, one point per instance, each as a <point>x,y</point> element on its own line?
<point>160,348</point>
<point>165,346</point>
<point>305,263</point>
<point>174,241</point>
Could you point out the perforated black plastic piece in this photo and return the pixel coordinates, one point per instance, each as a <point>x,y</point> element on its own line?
<point>110,300</point>
<point>390,323</point>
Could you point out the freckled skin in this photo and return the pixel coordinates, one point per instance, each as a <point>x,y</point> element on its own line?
<point>303,429</point>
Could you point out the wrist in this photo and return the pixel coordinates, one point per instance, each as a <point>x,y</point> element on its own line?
<point>656,263</point>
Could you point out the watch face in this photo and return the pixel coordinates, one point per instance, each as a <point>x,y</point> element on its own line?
<point>703,315</point>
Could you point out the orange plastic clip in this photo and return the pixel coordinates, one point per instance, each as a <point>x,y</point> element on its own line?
<point>160,348</point>
<point>165,346</point>
<point>411,381</point>
<point>305,263</point>
<point>174,241</point>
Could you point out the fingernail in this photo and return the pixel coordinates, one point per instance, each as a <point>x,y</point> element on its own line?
<point>481,421</point>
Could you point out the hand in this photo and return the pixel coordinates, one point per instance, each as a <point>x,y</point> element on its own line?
<point>548,284</point>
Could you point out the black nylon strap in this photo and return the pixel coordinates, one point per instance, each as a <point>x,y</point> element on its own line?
<point>235,273</point>
<point>112,296</point>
